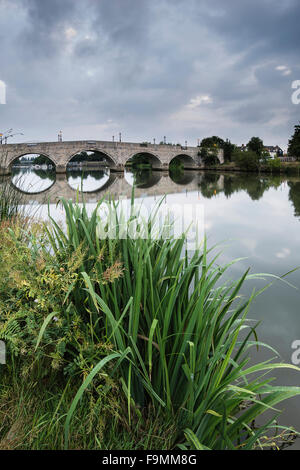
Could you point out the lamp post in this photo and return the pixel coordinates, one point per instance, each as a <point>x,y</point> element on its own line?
<point>7,135</point>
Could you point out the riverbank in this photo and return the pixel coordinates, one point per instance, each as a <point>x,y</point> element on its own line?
<point>288,168</point>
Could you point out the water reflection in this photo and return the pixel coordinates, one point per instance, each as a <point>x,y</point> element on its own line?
<point>88,181</point>
<point>182,177</point>
<point>294,196</point>
<point>142,178</point>
<point>31,180</point>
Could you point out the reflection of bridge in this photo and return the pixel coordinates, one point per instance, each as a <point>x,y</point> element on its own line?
<point>116,153</point>
<point>118,187</point>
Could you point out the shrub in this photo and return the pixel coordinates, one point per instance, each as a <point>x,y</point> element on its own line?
<point>274,164</point>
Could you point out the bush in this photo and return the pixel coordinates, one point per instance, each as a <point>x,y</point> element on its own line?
<point>274,164</point>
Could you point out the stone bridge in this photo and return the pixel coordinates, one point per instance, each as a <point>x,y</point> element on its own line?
<point>115,153</point>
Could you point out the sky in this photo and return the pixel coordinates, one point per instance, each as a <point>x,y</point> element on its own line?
<point>184,69</point>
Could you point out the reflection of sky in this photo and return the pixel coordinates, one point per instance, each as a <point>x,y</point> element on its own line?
<point>128,175</point>
<point>266,232</point>
<point>31,182</point>
<point>88,184</point>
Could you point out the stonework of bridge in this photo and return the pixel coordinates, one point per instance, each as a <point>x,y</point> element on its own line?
<point>115,153</point>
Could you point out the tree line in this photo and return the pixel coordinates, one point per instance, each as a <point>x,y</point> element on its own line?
<point>249,155</point>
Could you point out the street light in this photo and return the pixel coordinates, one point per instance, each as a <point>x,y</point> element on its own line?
<point>7,135</point>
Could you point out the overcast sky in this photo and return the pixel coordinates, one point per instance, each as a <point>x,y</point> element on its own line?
<point>186,69</point>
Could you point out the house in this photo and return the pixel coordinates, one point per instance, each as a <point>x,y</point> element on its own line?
<point>274,151</point>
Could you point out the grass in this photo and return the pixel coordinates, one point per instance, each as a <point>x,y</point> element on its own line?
<point>152,337</point>
<point>11,201</point>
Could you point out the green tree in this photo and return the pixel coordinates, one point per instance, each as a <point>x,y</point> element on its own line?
<point>246,160</point>
<point>209,156</point>
<point>294,144</point>
<point>228,148</point>
<point>214,141</point>
<point>256,145</point>
<point>265,156</point>
<point>42,160</point>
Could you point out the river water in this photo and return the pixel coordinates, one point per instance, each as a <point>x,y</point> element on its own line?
<point>254,217</point>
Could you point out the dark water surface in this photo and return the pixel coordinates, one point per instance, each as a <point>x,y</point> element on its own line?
<point>256,216</point>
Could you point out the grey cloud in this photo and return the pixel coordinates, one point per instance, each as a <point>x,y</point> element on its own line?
<point>137,62</point>
<point>42,34</point>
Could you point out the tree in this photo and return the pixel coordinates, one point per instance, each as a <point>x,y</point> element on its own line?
<point>228,148</point>
<point>209,156</point>
<point>265,156</point>
<point>247,160</point>
<point>294,144</point>
<point>42,160</point>
<point>214,141</point>
<point>256,145</point>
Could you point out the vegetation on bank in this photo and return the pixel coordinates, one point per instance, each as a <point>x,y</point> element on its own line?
<point>247,164</point>
<point>294,143</point>
<point>127,343</point>
<point>254,156</point>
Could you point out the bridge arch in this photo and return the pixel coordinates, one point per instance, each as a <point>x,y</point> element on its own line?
<point>186,160</point>
<point>153,159</point>
<point>110,160</point>
<point>18,156</point>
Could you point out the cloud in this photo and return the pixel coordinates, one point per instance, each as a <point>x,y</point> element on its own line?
<point>166,67</point>
<point>198,100</point>
<point>283,69</point>
<point>70,33</point>
<point>284,253</point>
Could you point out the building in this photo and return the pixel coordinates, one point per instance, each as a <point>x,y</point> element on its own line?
<point>274,151</point>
